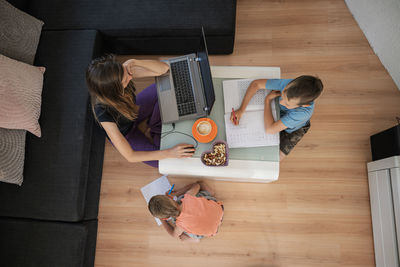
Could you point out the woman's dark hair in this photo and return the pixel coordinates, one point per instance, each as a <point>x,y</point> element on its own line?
<point>104,79</point>
<point>306,88</point>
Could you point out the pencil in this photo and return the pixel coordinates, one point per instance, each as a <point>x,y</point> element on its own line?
<point>234,117</point>
<point>170,191</point>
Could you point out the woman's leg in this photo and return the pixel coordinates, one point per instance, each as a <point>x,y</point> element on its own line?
<point>149,109</point>
<point>154,122</point>
<point>139,142</point>
<point>147,100</point>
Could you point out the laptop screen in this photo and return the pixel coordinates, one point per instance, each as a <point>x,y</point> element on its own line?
<point>202,54</point>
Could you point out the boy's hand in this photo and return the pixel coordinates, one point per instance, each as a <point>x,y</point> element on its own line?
<point>238,114</point>
<point>273,94</point>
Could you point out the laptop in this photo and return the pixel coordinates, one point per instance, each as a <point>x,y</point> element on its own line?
<point>186,91</point>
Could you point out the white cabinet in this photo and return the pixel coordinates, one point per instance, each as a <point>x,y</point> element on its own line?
<point>384,189</point>
<point>395,178</point>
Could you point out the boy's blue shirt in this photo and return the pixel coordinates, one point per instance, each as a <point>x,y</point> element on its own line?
<point>293,119</point>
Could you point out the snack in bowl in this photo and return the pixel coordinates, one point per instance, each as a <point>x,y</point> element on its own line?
<point>218,156</point>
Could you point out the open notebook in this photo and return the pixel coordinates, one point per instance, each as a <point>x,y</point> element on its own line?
<point>250,132</point>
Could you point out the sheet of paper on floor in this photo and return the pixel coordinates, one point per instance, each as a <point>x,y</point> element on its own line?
<point>157,187</point>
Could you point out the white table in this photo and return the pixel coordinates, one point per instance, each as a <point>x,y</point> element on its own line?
<point>245,165</point>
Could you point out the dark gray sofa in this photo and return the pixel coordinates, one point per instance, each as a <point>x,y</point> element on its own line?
<point>51,220</point>
<point>143,27</point>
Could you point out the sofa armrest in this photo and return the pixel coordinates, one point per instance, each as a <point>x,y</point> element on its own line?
<point>34,243</point>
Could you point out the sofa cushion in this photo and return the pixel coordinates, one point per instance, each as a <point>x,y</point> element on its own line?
<point>57,164</point>
<point>19,33</point>
<point>20,95</point>
<point>165,26</point>
<point>39,243</point>
<point>12,155</point>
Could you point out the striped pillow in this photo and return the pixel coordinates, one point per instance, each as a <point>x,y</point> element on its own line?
<point>12,155</point>
<point>20,95</point>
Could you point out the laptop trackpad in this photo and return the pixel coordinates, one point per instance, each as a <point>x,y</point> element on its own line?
<point>165,85</point>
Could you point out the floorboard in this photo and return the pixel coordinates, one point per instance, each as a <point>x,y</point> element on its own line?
<point>317,213</point>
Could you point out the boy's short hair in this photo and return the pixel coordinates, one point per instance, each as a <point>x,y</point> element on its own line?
<point>161,206</point>
<point>306,88</point>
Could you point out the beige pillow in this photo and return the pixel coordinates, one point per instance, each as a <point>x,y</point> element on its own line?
<point>19,33</point>
<point>20,95</point>
<point>12,155</point>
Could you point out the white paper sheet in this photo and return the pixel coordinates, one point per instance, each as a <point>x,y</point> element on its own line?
<point>157,187</point>
<point>250,132</point>
<point>234,91</point>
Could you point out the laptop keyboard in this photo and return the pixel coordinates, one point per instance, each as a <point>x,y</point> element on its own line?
<point>183,88</point>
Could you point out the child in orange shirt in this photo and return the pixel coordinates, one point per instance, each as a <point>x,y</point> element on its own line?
<point>195,213</point>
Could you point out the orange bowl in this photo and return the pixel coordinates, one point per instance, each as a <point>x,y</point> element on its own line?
<point>204,138</point>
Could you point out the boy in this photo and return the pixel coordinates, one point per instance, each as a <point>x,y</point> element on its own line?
<point>194,215</point>
<point>296,101</point>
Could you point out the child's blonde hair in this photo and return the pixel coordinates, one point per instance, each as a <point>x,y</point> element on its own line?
<point>161,206</point>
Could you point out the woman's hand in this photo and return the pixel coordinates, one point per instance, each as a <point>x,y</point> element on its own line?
<point>165,68</point>
<point>128,65</point>
<point>181,151</point>
<point>238,114</point>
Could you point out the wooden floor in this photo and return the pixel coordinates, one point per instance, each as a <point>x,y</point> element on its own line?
<point>317,213</point>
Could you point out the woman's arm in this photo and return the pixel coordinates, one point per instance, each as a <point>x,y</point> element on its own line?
<point>145,68</point>
<point>122,145</point>
<point>251,91</point>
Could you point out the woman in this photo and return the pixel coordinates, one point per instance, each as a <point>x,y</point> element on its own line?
<point>119,111</point>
